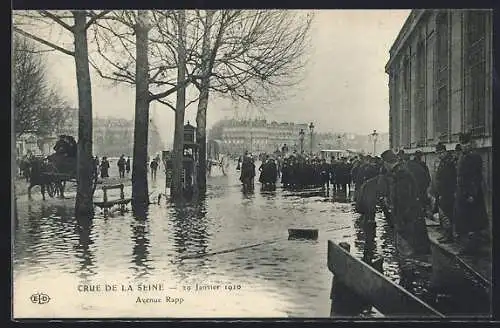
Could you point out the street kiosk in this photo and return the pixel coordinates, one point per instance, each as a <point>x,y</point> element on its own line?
<point>189,163</point>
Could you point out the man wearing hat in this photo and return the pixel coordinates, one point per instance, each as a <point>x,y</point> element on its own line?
<point>402,157</point>
<point>470,210</point>
<point>445,183</point>
<point>421,172</point>
<point>406,207</point>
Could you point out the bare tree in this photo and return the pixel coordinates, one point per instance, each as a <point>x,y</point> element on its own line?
<point>176,189</point>
<point>37,106</point>
<point>30,24</point>
<point>154,55</point>
<point>253,56</point>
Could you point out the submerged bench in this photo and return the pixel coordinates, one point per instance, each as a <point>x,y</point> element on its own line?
<point>107,204</point>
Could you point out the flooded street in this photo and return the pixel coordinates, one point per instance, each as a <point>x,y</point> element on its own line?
<point>279,278</point>
<point>175,249</point>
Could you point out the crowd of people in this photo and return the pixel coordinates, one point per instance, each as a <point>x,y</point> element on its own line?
<point>101,168</point>
<point>454,193</point>
<point>298,171</point>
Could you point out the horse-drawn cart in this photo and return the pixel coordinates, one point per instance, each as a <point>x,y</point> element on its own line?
<point>52,172</point>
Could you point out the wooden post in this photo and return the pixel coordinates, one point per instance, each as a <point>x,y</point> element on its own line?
<point>122,197</point>
<point>105,199</point>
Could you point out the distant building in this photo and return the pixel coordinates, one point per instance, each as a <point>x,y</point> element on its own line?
<point>238,136</point>
<point>27,143</point>
<point>111,137</point>
<point>440,83</point>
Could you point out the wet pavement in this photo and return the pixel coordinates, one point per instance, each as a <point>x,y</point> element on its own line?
<point>197,255</point>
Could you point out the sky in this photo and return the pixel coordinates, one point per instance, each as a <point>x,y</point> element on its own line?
<point>345,87</point>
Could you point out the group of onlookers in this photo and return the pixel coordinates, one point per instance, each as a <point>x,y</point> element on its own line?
<point>102,167</point>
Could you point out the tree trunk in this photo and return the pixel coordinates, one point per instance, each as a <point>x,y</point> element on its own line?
<point>83,204</point>
<point>176,189</point>
<point>201,135</point>
<point>141,123</point>
<point>201,115</point>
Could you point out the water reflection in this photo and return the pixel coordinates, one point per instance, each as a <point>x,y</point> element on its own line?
<point>83,254</point>
<point>191,233</point>
<point>292,275</point>
<point>140,251</point>
<point>34,232</point>
<point>341,197</point>
<point>267,188</point>
<point>140,211</point>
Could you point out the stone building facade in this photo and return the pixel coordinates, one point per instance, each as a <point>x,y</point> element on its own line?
<point>440,83</point>
<point>257,136</point>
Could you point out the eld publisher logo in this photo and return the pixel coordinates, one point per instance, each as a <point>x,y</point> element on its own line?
<point>40,298</point>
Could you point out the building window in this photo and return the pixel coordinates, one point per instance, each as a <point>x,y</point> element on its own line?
<point>475,71</point>
<point>442,80</point>
<point>406,114</point>
<point>420,105</point>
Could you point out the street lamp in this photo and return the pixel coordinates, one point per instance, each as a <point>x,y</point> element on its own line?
<point>374,135</point>
<point>311,129</point>
<point>339,141</point>
<point>301,138</point>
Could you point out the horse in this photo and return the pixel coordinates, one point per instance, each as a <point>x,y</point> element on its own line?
<point>40,175</point>
<point>372,193</point>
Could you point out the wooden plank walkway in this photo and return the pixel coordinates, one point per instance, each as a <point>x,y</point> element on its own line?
<point>479,267</point>
<point>389,298</point>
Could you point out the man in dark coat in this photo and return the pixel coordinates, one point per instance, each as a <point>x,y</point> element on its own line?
<point>445,182</point>
<point>470,210</point>
<point>62,146</point>
<point>95,168</point>
<point>422,176</point>
<point>247,170</point>
<point>127,165</point>
<point>405,204</point>
<point>104,167</point>
<point>121,166</point>
<point>324,170</point>
<point>334,166</point>
<point>154,168</point>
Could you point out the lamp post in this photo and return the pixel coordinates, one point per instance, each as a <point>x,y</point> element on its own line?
<point>301,138</point>
<point>374,135</point>
<point>311,129</point>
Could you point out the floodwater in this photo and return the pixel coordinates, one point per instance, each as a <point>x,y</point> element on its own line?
<point>193,259</point>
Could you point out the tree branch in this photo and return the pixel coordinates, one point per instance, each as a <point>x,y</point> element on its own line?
<point>56,19</point>
<point>164,102</point>
<point>42,41</point>
<point>94,17</point>
<point>167,93</point>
